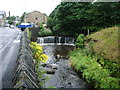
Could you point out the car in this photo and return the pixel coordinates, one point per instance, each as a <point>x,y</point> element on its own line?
<point>6,25</point>
<point>12,26</point>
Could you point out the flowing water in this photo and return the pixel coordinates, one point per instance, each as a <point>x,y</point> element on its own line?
<point>64,76</point>
<point>55,40</point>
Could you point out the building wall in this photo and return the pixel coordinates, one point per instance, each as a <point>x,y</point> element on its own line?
<point>36,17</point>
<point>2,18</point>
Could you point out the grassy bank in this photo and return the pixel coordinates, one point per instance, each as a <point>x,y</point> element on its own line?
<point>97,58</point>
<point>106,43</point>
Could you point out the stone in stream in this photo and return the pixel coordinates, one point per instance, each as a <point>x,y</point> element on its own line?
<point>54,66</point>
<point>43,64</point>
<point>48,66</point>
<point>58,56</point>
<point>34,61</point>
<point>50,71</point>
<point>69,82</point>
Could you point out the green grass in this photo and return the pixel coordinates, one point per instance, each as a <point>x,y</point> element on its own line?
<point>107,44</point>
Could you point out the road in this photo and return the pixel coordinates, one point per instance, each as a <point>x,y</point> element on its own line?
<point>9,51</point>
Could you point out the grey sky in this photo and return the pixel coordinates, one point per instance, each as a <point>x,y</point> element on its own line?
<point>17,7</point>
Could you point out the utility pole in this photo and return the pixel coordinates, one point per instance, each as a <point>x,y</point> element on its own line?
<point>9,14</point>
<point>88,31</point>
<point>25,18</point>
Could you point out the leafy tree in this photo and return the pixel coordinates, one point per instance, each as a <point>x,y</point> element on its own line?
<point>11,19</point>
<point>23,16</point>
<point>74,18</point>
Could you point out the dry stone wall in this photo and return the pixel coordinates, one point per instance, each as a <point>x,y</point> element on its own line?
<point>25,74</point>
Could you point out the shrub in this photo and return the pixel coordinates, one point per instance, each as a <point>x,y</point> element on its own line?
<point>41,27</point>
<point>45,32</point>
<point>80,41</point>
<point>93,72</point>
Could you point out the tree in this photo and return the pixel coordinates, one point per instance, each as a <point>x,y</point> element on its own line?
<point>22,17</point>
<point>11,19</point>
<point>71,19</point>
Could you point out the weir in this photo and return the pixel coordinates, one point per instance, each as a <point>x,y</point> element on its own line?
<point>55,40</point>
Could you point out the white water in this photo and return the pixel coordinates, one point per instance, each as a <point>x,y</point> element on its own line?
<point>52,40</point>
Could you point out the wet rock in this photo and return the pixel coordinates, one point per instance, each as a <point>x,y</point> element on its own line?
<point>69,82</point>
<point>43,64</point>
<point>57,60</point>
<point>58,56</point>
<point>67,57</point>
<point>54,66</point>
<point>50,71</point>
<point>48,66</point>
<point>34,61</point>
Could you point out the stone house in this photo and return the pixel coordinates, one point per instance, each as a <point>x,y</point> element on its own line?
<point>36,17</point>
<point>2,18</point>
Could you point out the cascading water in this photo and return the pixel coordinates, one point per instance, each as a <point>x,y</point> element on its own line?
<point>51,40</point>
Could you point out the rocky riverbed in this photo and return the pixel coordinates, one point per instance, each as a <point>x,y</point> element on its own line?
<point>59,73</point>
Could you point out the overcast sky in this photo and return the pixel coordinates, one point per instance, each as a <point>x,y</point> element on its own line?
<point>17,7</point>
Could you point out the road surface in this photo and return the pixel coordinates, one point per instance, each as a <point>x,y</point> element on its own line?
<point>9,51</point>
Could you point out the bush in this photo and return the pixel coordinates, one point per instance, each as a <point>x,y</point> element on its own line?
<point>93,72</point>
<point>80,41</point>
<point>45,32</point>
<point>41,27</point>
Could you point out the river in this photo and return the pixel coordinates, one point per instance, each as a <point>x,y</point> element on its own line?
<point>64,75</point>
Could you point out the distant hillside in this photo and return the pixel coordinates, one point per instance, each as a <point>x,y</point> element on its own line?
<point>106,43</point>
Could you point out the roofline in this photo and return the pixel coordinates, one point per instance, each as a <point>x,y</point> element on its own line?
<point>4,12</point>
<point>36,11</point>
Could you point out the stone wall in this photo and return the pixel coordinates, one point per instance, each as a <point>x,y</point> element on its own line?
<point>36,17</point>
<point>2,18</point>
<point>25,74</point>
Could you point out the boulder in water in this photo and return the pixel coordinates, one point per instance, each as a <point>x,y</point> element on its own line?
<point>50,71</point>
<point>54,66</point>
<point>58,56</point>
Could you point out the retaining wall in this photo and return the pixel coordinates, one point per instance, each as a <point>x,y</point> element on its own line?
<point>25,74</point>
